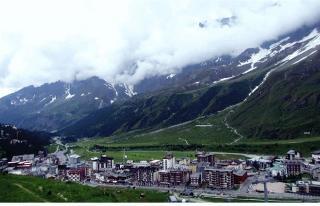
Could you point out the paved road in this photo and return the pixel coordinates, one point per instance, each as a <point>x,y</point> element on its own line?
<point>219,193</point>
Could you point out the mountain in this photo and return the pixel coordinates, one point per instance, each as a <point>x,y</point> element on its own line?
<point>227,66</point>
<point>14,141</point>
<point>94,107</point>
<point>174,106</point>
<point>53,106</point>
<point>286,105</point>
<point>163,108</point>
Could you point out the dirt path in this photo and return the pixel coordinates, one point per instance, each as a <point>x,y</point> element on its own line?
<point>234,130</point>
<point>186,141</point>
<point>30,192</point>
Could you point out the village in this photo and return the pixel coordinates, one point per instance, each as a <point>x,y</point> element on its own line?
<point>288,176</point>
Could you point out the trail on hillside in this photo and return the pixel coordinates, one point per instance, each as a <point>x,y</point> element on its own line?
<point>234,130</point>
<point>30,192</point>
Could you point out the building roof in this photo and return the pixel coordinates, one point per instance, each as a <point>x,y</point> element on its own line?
<point>74,156</point>
<point>23,157</point>
<point>291,152</point>
<point>218,169</point>
<point>240,172</point>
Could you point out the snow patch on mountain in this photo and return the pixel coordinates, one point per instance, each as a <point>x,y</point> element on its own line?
<point>68,94</point>
<point>256,57</point>
<point>223,79</point>
<point>313,40</point>
<point>114,89</point>
<point>53,99</point>
<point>305,57</point>
<point>129,90</point>
<point>170,76</point>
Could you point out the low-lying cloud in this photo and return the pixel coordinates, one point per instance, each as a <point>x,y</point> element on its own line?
<point>128,40</point>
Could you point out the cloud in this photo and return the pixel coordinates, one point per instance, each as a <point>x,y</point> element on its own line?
<point>128,40</point>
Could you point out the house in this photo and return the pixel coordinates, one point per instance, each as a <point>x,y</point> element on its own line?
<point>293,154</point>
<point>219,178</point>
<point>206,157</point>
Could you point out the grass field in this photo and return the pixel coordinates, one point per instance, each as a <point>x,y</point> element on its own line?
<point>33,189</point>
<point>190,133</point>
<point>52,147</point>
<point>138,155</point>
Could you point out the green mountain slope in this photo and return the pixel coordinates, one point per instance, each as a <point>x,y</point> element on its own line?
<point>287,105</point>
<point>165,108</point>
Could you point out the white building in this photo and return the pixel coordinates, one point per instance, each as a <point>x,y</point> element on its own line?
<point>316,156</point>
<point>168,162</point>
<point>74,159</point>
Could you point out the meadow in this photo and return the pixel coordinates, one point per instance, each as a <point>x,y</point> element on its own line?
<point>34,189</point>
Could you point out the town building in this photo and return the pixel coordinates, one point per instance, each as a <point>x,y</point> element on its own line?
<point>3,164</point>
<point>293,167</point>
<point>261,163</point>
<point>308,187</point>
<point>168,161</point>
<point>144,173</point>
<point>206,157</point>
<point>293,154</point>
<point>74,159</point>
<point>25,157</point>
<point>315,172</point>
<point>173,177</point>
<point>316,157</point>
<point>278,169</point>
<point>76,174</point>
<point>219,178</point>
<point>195,179</point>
<point>240,176</point>
<point>102,164</point>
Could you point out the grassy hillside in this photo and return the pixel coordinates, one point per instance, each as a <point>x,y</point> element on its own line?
<point>286,106</point>
<point>217,138</point>
<point>170,107</point>
<point>32,189</point>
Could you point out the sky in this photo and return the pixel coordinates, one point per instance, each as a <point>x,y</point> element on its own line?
<point>44,41</point>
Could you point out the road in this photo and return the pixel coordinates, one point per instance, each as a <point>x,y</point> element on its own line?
<point>220,193</point>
